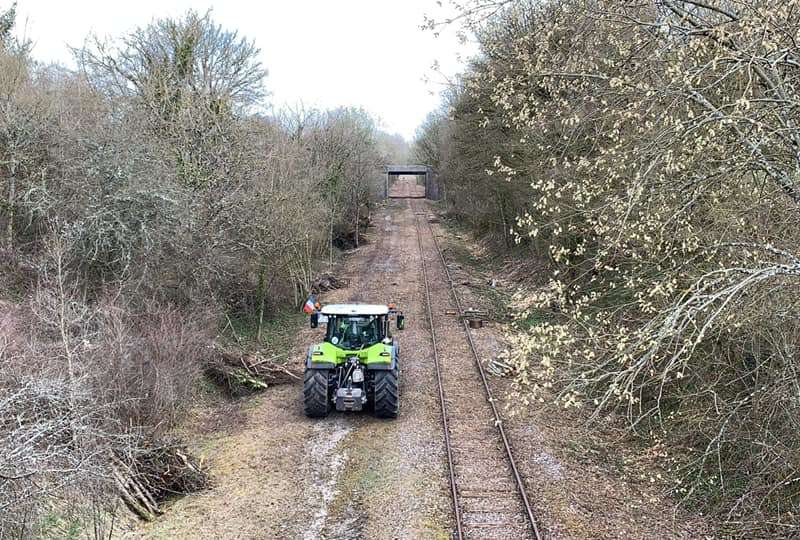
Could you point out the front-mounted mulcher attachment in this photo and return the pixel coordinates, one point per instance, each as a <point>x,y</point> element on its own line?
<point>357,366</point>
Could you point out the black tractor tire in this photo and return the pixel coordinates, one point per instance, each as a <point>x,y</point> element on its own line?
<point>387,393</point>
<point>316,402</point>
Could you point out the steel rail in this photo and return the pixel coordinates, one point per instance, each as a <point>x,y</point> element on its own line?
<point>498,419</point>
<point>448,447</point>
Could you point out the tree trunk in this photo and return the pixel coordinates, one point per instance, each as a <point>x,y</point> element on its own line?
<point>12,196</point>
<point>500,206</point>
<point>358,217</point>
<point>330,244</point>
<point>262,298</point>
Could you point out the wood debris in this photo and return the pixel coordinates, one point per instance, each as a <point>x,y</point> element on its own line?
<point>242,373</point>
<point>328,282</point>
<point>151,474</point>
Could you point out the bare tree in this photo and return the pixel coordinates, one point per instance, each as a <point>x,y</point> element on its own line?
<point>144,202</point>
<point>174,59</point>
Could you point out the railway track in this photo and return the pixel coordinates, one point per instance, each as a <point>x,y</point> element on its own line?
<point>489,498</point>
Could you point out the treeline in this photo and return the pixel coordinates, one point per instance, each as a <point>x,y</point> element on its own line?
<point>146,200</point>
<point>648,154</point>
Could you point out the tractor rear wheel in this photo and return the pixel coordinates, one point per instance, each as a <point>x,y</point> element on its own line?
<point>387,393</point>
<point>315,393</point>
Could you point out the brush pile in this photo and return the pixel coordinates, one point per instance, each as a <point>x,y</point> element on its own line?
<point>241,373</point>
<point>155,473</point>
<point>328,282</point>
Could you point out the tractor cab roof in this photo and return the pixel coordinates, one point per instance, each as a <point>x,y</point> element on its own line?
<point>355,309</point>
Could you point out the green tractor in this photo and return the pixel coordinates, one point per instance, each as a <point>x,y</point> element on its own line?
<point>356,367</point>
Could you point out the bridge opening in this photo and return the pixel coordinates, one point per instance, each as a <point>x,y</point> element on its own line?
<point>410,182</point>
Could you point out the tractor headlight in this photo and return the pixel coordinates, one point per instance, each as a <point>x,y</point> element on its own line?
<point>358,375</point>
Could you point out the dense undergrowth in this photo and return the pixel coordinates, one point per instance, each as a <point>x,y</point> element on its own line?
<point>150,213</point>
<point>647,155</point>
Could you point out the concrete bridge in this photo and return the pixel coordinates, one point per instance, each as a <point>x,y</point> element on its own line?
<point>396,188</point>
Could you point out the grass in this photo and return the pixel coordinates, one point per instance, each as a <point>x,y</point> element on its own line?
<point>277,330</point>
<point>534,318</point>
<point>54,525</point>
<point>369,480</point>
<point>498,299</point>
<point>206,387</point>
<point>436,531</point>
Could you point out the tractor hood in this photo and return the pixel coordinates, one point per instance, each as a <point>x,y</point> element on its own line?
<point>378,356</point>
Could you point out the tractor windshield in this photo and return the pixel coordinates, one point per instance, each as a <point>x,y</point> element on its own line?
<point>354,332</point>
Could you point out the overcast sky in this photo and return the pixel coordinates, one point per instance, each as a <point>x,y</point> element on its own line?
<point>368,53</point>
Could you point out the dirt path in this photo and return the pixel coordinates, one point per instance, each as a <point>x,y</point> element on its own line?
<point>281,475</point>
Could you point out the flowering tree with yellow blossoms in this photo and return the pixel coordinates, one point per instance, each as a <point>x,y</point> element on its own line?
<point>659,147</point>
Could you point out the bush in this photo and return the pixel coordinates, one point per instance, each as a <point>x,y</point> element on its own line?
<point>76,403</point>
<point>652,152</point>
<point>140,205</point>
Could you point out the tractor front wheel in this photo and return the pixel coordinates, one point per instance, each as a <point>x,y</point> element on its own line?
<point>315,393</point>
<point>387,393</point>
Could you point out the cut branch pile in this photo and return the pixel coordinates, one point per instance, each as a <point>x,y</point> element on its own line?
<point>328,282</point>
<point>152,475</point>
<point>242,373</point>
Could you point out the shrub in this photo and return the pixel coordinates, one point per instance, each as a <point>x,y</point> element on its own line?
<point>653,148</point>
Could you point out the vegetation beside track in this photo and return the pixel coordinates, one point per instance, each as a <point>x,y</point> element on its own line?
<point>148,206</point>
<point>622,148</point>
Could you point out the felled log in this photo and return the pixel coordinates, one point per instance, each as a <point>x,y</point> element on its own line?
<point>499,368</point>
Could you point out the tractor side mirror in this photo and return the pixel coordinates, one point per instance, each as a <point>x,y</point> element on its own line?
<point>314,320</point>
<point>401,321</point>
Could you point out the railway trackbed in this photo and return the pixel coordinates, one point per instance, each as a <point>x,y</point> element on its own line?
<point>488,493</point>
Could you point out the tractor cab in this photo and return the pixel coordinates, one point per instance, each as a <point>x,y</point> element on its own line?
<point>356,365</point>
<point>355,331</point>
